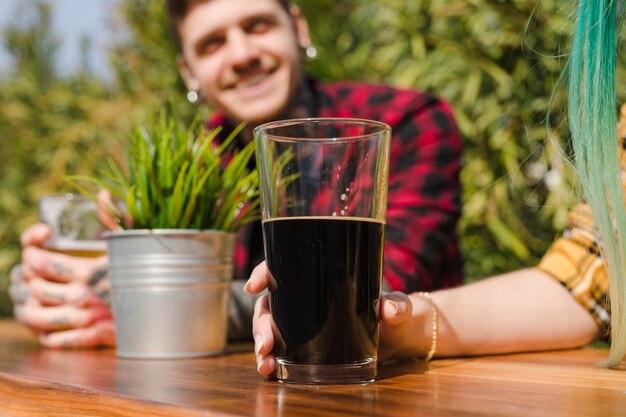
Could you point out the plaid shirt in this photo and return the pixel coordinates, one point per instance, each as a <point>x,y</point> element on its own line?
<point>421,250</point>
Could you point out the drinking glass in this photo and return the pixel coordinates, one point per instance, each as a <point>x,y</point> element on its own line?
<point>323,198</point>
<point>76,229</point>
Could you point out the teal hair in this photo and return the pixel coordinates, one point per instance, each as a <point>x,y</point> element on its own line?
<point>592,113</point>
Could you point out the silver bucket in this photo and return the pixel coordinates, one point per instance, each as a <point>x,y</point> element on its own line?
<point>170,291</point>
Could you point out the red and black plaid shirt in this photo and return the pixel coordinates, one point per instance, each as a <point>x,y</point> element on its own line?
<point>421,249</point>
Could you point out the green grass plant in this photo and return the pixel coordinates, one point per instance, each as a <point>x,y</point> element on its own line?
<point>176,176</point>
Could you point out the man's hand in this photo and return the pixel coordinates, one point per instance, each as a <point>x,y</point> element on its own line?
<point>62,298</point>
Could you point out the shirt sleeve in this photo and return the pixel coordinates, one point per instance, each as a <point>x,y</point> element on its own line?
<point>424,202</point>
<point>240,312</point>
<point>574,259</point>
<point>573,262</point>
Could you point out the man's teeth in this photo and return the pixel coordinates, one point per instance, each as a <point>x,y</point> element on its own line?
<point>252,81</point>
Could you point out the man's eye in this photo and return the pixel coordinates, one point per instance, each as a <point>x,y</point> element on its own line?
<point>258,26</point>
<point>210,45</point>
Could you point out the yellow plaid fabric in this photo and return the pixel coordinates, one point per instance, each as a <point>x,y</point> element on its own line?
<point>574,259</point>
<point>582,272</point>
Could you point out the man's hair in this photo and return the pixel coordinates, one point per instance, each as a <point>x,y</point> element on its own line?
<point>177,10</point>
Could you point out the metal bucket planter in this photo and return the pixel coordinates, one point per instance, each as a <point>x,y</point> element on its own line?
<point>170,291</point>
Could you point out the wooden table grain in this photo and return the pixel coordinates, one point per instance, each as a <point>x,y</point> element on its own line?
<point>42,382</point>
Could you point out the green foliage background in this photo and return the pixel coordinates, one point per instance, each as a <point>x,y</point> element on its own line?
<point>497,62</point>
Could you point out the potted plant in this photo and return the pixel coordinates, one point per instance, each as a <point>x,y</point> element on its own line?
<point>179,198</point>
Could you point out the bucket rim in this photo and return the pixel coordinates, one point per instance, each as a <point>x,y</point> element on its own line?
<point>164,232</point>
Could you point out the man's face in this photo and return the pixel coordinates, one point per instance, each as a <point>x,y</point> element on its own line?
<point>244,56</point>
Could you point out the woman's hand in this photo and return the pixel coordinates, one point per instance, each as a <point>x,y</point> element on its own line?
<point>395,309</point>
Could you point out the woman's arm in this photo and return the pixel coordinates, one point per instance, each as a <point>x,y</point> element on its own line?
<point>524,310</point>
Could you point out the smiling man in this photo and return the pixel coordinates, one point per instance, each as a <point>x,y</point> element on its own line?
<point>245,58</point>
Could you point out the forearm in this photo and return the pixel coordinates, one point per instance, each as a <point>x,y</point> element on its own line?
<point>525,310</point>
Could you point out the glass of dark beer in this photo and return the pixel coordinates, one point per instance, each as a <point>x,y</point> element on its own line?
<point>324,199</point>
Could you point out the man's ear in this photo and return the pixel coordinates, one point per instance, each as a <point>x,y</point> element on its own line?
<point>301,26</point>
<point>190,81</point>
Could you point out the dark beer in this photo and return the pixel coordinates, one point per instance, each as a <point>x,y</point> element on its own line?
<point>328,273</point>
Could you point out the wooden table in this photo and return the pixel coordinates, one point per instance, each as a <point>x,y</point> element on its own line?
<point>40,382</point>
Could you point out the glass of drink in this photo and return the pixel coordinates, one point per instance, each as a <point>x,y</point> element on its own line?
<point>76,229</point>
<point>324,199</point>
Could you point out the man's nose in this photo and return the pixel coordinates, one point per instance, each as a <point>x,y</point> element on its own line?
<point>242,51</point>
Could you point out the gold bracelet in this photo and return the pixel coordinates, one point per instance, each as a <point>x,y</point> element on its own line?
<point>433,342</point>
